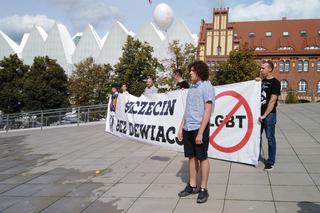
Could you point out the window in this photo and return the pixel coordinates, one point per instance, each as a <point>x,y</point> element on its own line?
<point>318,86</point>
<point>287,66</point>
<point>285,48</point>
<point>312,47</point>
<point>252,34</point>
<point>235,35</point>
<point>268,34</point>
<point>302,86</point>
<point>303,33</point>
<point>281,66</point>
<point>260,48</point>
<point>284,85</point>
<point>300,66</point>
<point>284,66</point>
<point>305,66</point>
<point>318,66</point>
<point>318,32</point>
<point>285,34</point>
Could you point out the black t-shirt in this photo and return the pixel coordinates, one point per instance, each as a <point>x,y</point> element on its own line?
<point>269,87</point>
<point>182,85</point>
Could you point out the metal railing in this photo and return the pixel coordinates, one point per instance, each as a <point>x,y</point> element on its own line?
<point>55,117</point>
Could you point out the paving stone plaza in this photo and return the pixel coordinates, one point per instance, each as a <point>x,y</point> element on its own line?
<point>53,170</point>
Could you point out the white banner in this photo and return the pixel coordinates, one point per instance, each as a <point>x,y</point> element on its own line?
<point>234,129</point>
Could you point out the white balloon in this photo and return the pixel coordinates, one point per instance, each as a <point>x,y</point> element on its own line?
<point>163,16</point>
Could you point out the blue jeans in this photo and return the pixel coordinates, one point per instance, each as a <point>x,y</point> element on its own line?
<point>269,124</point>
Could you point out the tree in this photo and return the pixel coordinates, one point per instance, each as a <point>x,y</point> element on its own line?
<point>240,66</point>
<point>181,57</point>
<point>90,83</point>
<point>45,86</point>
<point>135,65</point>
<point>12,71</point>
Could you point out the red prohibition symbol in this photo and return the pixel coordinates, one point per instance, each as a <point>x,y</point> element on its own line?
<point>245,139</point>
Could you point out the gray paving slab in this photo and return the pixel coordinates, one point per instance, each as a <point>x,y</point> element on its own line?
<point>110,205</point>
<point>190,206</point>
<point>68,204</point>
<point>291,179</point>
<point>249,192</point>
<point>139,177</point>
<point>241,206</point>
<point>153,205</point>
<point>249,178</point>
<point>126,190</point>
<point>296,193</point>
<point>34,204</point>
<point>7,202</point>
<point>54,170</point>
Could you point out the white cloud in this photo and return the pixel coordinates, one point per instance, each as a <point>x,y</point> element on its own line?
<point>15,26</point>
<point>83,12</point>
<point>292,9</point>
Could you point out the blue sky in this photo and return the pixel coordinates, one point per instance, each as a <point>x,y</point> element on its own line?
<point>18,17</point>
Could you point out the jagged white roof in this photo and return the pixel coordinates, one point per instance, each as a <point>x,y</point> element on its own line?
<point>34,45</point>
<point>104,39</point>
<point>112,47</point>
<point>149,33</point>
<point>24,40</point>
<point>7,46</point>
<point>77,35</point>
<point>42,32</point>
<point>179,31</point>
<point>60,46</point>
<point>88,46</point>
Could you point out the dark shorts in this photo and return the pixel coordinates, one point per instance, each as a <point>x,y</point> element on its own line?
<point>191,149</point>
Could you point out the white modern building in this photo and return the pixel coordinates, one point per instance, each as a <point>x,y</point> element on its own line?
<point>149,33</point>
<point>33,45</point>
<point>67,50</point>
<point>88,46</point>
<point>112,48</point>
<point>60,46</point>
<point>7,46</point>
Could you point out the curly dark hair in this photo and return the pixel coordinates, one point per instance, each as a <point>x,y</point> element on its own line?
<point>201,69</point>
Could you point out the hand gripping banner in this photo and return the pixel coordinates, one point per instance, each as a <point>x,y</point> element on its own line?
<point>234,125</point>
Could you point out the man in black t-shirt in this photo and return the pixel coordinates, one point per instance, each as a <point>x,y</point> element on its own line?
<point>270,90</point>
<point>181,84</point>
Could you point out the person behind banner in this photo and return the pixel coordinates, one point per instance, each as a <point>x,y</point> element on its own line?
<point>124,88</point>
<point>181,83</point>
<point>194,129</point>
<point>150,88</point>
<point>270,90</point>
<point>114,96</point>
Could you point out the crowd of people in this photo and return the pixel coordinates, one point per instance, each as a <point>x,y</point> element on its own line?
<point>194,127</point>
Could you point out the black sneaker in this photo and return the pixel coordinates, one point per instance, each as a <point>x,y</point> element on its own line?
<point>268,167</point>
<point>203,196</point>
<point>188,191</point>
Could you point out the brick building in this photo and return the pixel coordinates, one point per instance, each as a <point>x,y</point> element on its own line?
<point>293,46</point>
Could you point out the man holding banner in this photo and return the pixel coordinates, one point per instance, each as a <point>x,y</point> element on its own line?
<point>194,129</point>
<point>270,90</point>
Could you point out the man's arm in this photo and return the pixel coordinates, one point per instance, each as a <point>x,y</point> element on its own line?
<point>180,134</point>
<point>270,106</point>
<point>204,122</point>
